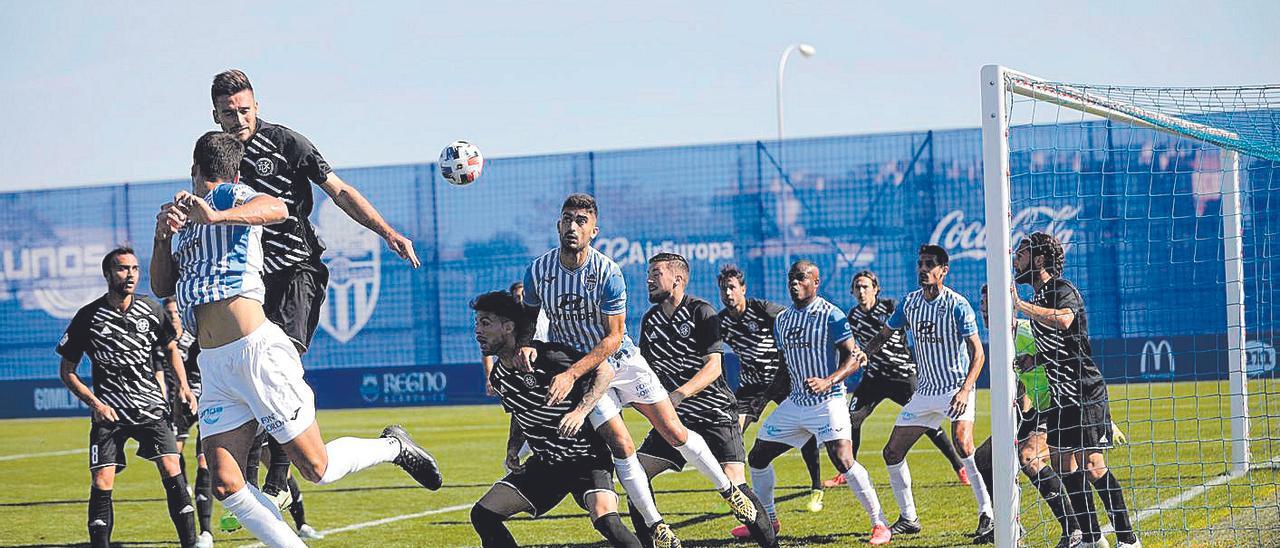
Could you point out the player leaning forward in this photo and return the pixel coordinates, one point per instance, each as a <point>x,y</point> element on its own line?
<point>820,353</point>
<point>584,296</point>
<point>251,370</point>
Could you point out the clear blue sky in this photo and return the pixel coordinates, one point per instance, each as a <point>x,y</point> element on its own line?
<point>106,92</point>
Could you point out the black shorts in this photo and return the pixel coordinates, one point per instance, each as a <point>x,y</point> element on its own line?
<point>724,440</point>
<point>1030,422</point>
<point>873,390</point>
<point>753,398</point>
<point>106,442</point>
<point>545,484</point>
<point>1079,427</point>
<point>294,298</point>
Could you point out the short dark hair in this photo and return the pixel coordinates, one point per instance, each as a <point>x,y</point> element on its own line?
<point>512,288</point>
<point>730,271</point>
<point>579,200</point>
<point>169,300</point>
<point>1046,245</point>
<point>938,253</point>
<point>110,258</point>
<point>803,263</point>
<point>671,258</point>
<point>502,304</point>
<point>228,83</point>
<point>875,281</point>
<point>218,154</point>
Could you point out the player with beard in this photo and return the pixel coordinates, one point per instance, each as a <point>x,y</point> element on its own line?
<point>820,354</point>
<point>1079,417</point>
<point>584,296</point>
<point>124,335</point>
<point>680,338</point>
<point>746,325</point>
<point>180,357</point>
<point>949,357</point>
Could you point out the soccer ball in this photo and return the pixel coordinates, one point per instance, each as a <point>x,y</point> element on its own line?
<point>461,163</point>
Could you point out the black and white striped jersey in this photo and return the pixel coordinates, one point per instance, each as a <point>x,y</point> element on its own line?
<point>1067,356</point>
<point>524,396</point>
<point>675,347</point>
<point>185,343</point>
<point>893,361</point>
<point>751,338</point>
<point>122,349</point>
<point>281,162</point>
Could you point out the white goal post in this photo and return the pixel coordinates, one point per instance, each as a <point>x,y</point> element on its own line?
<point>998,85</point>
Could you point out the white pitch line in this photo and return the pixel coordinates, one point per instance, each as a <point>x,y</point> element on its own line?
<point>48,454</point>
<point>1174,502</point>
<point>383,521</point>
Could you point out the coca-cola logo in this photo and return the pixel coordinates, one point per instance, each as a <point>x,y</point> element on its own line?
<point>968,240</point>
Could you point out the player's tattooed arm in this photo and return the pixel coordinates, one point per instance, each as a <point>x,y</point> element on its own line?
<point>614,328</point>
<point>515,439</point>
<point>362,211</point>
<point>101,411</point>
<point>572,421</point>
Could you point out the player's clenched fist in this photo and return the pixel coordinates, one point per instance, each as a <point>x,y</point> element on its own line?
<point>198,210</point>
<point>170,220</point>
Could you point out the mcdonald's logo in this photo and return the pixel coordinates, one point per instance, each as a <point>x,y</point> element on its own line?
<point>1157,358</point>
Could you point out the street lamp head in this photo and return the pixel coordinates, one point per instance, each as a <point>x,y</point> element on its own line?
<point>807,50</point>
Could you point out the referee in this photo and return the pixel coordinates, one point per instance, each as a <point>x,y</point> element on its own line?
<point>122,333</point>
<point>280,162</point>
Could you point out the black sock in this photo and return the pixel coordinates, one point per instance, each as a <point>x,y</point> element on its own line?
<point>643,532</point>
<point>296,510</point>
<point>181,511</point>
<point>182,467</point>
<point>1108,488</point>
<point>101,518</point>
<point>1051,490</point>
<point>762,529</point>
<point>986,468</point>
<point>489,525</point>
<point>611,527</point>
<point>278,471</point>
<point>810,453</point>
<point>943,443</point>
<point>855,435</point>
<point>1082,502</point>
<point>253,462</point>
<point>204,499</point>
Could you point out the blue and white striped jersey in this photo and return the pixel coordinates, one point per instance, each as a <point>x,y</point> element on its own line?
<point>576,301</point>
<point>808,337</point>
<point>939,328</point>
<point>218,262</point>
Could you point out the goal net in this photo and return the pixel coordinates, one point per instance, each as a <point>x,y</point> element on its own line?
<point>1167,203</point>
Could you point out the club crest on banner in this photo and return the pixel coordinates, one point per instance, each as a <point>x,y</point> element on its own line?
<point>355,272</point>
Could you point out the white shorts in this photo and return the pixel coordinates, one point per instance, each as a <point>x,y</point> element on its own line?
<point>258,377</point>
<point>633,382</point>
<point>933,411</point>
<point>794,424</point>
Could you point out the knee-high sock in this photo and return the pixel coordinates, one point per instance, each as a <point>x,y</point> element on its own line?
<point>491,528</point>
<point>278,472</point>
<point>982,457</point>
<point>900,481</point>
<point>809,451</point>
<point>643,531</point>
<point>696,452</point>
<point>204,499</point>
<point>977,485</point>
<point>261,517</point>
<point>762,530</point>
<point>860,483</point>
<point>182,466</point>
<point>101,517</point>
<point>1108,488</point>
<point>296,510</point>
<point>181,511</point>
<point>254,461</point>
<point>634,481</point>
<point>1050,487</point>
<point>349,455</point>
<point>762,482</point>
<point>611,527</point>
<point>1082,502</point>
<point>943,443</point>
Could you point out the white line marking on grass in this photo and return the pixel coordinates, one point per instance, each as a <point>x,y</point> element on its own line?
<point>1174,502</point>
<point>48,454</point>
<point>383,521</point>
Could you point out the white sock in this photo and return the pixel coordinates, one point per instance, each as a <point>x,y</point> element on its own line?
<point>860,483</point>
<point>261,517</point>
<point>632,477</point>
<point>900,481</point>
<point>762,481</point>
<point>696,452</point>
<point>348,455</point>
<point>979,487</point>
